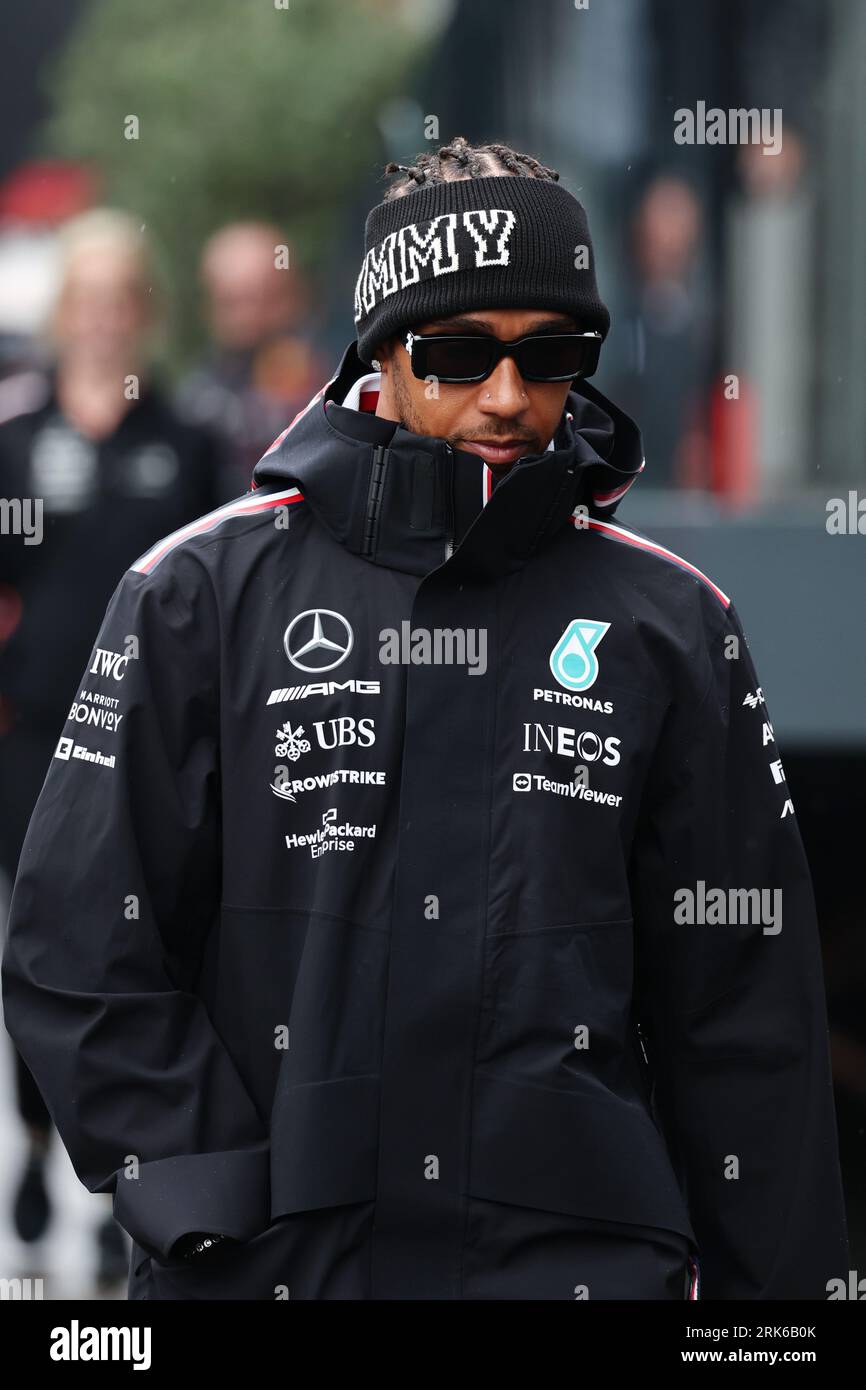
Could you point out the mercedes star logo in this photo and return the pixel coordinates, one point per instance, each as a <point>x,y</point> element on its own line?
<point>318,640</point>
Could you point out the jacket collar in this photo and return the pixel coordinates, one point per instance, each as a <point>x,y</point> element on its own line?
<point>411,502</point>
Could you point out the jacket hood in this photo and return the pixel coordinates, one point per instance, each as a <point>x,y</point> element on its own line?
<point>411,501</point>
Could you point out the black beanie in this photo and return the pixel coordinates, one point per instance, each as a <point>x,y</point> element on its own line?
<point>499,242</point>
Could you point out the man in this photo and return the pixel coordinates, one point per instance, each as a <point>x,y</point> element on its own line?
<point>378,954</point>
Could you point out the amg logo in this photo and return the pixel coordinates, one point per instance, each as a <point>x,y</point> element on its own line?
<point>300,692</point>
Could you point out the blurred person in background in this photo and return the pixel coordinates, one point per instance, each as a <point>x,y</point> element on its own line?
<point>671,328</point>
<point>96,444</point>
<point>262,367</point>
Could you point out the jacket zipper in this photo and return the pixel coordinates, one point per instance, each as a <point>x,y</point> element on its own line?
<point>693,1264</point>
<point>374,501</point>
<point>641,1039</point>
<point>449,534</point>
<point>644,1062</point>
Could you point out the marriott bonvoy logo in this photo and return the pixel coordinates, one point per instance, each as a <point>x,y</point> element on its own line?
<point>439,246</point>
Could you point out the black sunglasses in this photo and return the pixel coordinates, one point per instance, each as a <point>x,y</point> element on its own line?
<point>460,357</point>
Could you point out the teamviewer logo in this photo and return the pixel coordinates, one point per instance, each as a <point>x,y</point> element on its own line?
<point>522,782</point>
<point>64,748</point>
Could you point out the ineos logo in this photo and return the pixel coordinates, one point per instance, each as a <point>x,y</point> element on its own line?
<point>318,640</point>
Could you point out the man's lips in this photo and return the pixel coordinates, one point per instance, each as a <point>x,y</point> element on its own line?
<point>506,451</point>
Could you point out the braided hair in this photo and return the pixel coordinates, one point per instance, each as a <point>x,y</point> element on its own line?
<point>460,160</point>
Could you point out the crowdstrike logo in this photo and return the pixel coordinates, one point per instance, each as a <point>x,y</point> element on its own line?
<point>573,660</point>
<point>289,788</point>
<point>318,640</point>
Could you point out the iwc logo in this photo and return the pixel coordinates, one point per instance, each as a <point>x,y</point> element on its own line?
<point>318,640</point>
<point>573,660</point>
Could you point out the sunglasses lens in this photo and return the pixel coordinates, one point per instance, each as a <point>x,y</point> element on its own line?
<point>549,357</point>
<point>458,358</point>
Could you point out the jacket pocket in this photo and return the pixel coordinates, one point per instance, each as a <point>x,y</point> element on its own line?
<point>586,1153</point>
<point>324,1144</point>
<point>323,1150</point>
<point>250,1269</point>
<point>224,1191</point>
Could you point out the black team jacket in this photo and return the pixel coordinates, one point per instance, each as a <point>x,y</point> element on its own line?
<point>416,897</point>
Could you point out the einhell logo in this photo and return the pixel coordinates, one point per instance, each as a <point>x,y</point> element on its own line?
<point>67,749</point>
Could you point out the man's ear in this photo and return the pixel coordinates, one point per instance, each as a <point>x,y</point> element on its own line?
<point>384,353</point>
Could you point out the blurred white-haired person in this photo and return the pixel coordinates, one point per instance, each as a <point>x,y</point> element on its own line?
<point>102,466</point>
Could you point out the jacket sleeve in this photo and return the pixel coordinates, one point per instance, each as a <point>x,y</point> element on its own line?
<point>117,887</point>
<point>731,997</point>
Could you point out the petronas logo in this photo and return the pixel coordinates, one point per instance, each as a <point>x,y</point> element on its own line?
<point>573,660</point>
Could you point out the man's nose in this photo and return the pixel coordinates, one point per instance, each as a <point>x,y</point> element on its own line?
<point>504,391</point>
